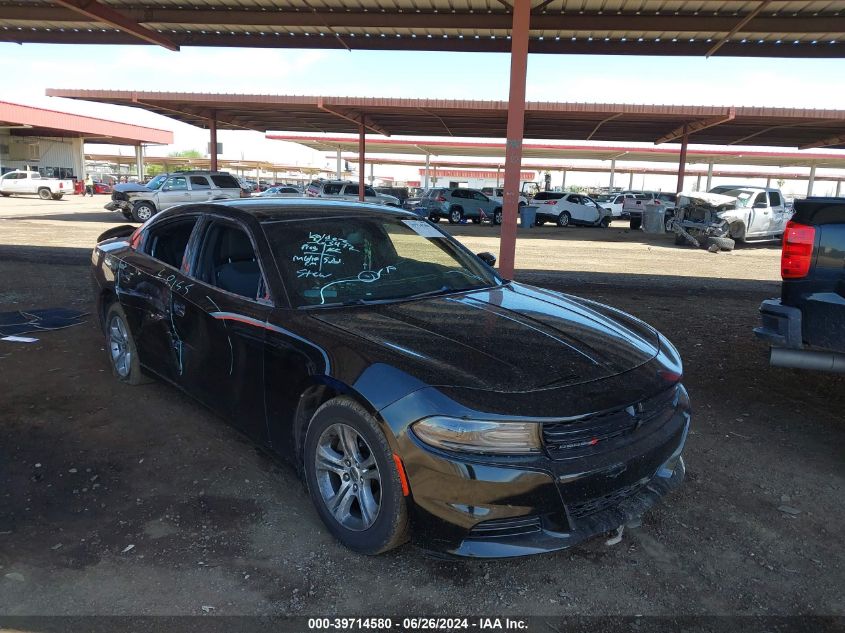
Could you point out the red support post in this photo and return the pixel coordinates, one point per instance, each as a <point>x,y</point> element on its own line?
<point>682,162</point>
<point>361,164</point>
<point>212,151</point>
<point>516,128</point>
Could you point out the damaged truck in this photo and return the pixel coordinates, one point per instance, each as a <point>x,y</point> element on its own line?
<point>717,220</point>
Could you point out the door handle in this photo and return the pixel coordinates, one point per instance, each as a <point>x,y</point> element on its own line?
<point>179,308</point>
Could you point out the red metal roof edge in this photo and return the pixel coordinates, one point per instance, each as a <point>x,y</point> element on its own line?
<point>541,146</point>
<point>84,125</point>
<point>551,106</point>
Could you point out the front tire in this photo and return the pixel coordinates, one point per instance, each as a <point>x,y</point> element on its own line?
<point>564,219</point>
<point>142,211</point>
<point>497,216</point>
<point>353,480</point>
<point>120,346</point>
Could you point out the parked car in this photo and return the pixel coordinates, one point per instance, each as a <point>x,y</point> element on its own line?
<point>281,191</point>
<point>565,209</point>
<point>459,203</point>
<point>102,187</point>
<point>805,326</point>
<point>498,194</point>
<point>29,183</point>
<point>348,190</point>
<point>633,206</point>
<point>141,202</point>
<point>420,395</point>
<point>759,213</point>
<point>615,202</point>
<point>400,193</point>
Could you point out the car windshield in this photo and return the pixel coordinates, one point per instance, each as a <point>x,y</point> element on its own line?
<point>156,182</point>
<point>355,260</point>
<point>743,196</point>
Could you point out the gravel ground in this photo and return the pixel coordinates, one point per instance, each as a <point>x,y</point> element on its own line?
<point>121,500</point>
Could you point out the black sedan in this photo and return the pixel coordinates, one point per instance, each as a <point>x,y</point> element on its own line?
<point>419,394</point>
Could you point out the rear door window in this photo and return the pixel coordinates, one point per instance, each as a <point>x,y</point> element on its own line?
<point>332,189</point>
<point>166,242</point>
<point>227,261</point>
<point>369,191</point>
<point>351,190</point>
<point>775,199</point>
<point>199,182</point>
<point>225,181</point>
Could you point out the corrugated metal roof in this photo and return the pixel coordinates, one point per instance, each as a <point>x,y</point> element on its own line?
<point>784,127</point>
<point>652,27</point>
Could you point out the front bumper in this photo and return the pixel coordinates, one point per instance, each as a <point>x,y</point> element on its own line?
<point>469,506</point>
<point>780,325</point>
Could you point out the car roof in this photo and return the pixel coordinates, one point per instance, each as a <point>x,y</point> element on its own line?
<point>282,209</point>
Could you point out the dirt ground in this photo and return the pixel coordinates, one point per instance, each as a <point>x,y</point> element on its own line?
<point>122,500</point>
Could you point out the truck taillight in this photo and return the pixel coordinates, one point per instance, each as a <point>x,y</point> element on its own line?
<point>441,199</point>
<point>797,254</point>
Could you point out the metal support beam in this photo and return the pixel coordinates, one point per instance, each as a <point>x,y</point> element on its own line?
<point>696,126</point>
<point>631,181</point>
<point>139,162</point>
<point>812,181</point>
<point>353,117</point>
<point>698,183</point>
<point>753,14</point>
<point>107,15</point>
<point>839,139</point>
<point>427,166</point>
<point>362,155</point>
<point>515,130</point>
<point>212,133</point>
<point>563,181</point>
<point>768,182</point>
<point>372,173</point>
<point>682,162</point>
<point>339,166</point>
<point>612,174</point>
<point>838,185</point>
<point>709,176</point>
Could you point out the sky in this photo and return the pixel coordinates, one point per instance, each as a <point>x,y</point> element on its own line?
<point>799,83</point>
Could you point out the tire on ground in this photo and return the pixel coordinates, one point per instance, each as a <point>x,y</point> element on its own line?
<point>134,376</point>
<point>143,211</point>
<point>44,193</point>
<point>636,223</point>
<point>723,243</point>
<point>390,527</point>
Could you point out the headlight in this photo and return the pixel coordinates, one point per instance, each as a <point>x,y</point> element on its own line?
<point>479,436</point>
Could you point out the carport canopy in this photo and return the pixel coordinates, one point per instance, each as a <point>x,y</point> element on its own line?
<point>22,120</point>
<point>766,28</point>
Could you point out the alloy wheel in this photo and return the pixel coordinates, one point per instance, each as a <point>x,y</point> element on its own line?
<point>348,477</point>
<point>121,354</point>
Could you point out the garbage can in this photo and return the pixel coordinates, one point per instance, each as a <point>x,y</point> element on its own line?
<point>653,220</point>
<point>527,216</point>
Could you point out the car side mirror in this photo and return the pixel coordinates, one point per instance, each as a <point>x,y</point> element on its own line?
<point>487,258</point>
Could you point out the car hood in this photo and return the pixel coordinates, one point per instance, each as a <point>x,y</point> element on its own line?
<point>513,338</point>
<point>129,187</point>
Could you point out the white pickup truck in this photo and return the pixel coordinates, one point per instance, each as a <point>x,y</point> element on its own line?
<point>32,183</point>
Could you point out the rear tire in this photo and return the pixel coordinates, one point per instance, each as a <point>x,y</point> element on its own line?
<point>434,218</point>
<point>456,214</point>
<point>344,443</point>
<point>44,193</point>
<point>121,349</point>
<point>539,222</point>
<point>564,219</point>
<point>636,223</point>
<point>476,220</point>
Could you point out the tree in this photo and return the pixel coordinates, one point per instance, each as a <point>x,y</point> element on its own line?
<point>186,153</point>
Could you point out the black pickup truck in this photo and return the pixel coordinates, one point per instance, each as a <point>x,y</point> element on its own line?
<point>806,326</point>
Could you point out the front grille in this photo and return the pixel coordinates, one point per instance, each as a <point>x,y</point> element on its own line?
<point>610,500</point>
<point>592,433</point>
<point>499,528</point>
